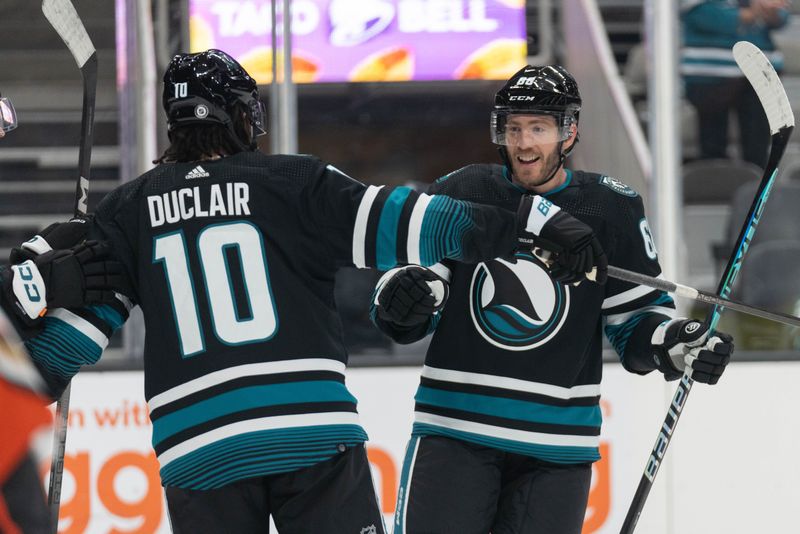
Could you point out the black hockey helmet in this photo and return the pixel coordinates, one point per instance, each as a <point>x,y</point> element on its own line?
<point>208,87</point>
<point>547,90</point>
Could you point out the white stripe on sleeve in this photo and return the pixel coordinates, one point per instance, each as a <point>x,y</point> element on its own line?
<point>81,325</point>
<point>360,228</point>
<point>442,270</point>
<point>628,296</point>
<point>415,228</point>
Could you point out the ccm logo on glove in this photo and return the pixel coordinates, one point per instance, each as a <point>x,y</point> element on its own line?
<point>29,289</point>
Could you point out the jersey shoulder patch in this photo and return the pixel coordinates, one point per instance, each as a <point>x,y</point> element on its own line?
<point>618,186</point>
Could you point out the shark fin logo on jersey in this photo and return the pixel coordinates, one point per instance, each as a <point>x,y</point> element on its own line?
<point>618,186</point>
<point>517,306</point>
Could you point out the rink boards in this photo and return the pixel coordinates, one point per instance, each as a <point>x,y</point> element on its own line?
<point>732,466</point>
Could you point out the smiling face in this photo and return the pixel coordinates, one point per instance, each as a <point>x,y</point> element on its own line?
<point>532,142</point>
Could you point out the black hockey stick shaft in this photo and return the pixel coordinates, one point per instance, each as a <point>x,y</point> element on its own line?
<point>89,74</point>
<point>700,296</point>
<point>65,20</point>
<point>761,75</point>
<point>685,385</point>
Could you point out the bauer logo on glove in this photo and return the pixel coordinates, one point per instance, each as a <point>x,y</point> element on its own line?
<point>576,251</point>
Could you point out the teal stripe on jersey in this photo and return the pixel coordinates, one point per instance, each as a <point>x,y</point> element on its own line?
<point>519,410</point>
<point>619,334</point>
<point>710,61</point>
<point>386,247</point>
<point>247,398</point>
<point>434,322</point>
<point>550,453</point>
<point>402,492</point>
<point>62,349</point>
<point>108,314</point>
<point>561,187</point>
<point>500,324</point>
<point>258,454</point>
<point>429,230</point>
<point>443,227</point>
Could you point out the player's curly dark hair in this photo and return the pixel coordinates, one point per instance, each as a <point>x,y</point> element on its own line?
<point>194,142</point>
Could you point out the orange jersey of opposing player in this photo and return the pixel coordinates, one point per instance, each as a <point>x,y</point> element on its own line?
<point>22,408</point>
<point>23,412</point>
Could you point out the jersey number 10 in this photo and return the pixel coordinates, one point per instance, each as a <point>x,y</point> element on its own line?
<point>213,244</point>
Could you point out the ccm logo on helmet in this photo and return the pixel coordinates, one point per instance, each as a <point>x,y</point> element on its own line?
<point>522,97</point>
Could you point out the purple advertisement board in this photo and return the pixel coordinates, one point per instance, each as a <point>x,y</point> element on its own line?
<point>370,40</point>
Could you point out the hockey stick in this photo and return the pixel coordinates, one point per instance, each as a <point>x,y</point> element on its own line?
<point>684,291</point>
<point>762,76</point>
<point>65,20</point>
<point>700,296</point>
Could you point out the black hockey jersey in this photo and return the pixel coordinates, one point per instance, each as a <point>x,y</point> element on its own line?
<point>516,359</point>
<point>233,262</point>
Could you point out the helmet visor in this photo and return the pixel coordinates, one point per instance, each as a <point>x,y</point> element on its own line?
<point>509,128</point>
<point>258,116</point>
<point>8,116</point>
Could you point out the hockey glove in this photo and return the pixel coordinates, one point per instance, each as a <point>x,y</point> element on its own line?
<point>575,247</point>
<point>685,343</point>
<point>56,236</point>
<point>408,296</point>
<point>67,278</point>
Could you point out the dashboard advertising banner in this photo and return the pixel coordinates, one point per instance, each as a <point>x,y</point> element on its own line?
<point>369,40</point>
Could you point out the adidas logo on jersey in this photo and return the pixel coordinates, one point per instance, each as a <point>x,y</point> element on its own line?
<point>197,172</point>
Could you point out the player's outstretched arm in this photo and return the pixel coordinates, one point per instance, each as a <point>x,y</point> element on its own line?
<point>391,226</point>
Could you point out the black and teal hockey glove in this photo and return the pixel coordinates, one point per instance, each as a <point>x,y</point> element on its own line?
<point>576,252</point>
<point>410,295</point>
<point>60,235</point>
<point>66,278</point>
<point>685,343</point>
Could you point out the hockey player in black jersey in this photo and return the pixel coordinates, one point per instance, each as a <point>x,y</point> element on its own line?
<point>507,416</point>
<point>232,255</point>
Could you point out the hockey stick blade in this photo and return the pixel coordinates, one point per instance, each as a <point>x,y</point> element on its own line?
<point>64,19</point>
<point>700,296</point>
<point>762,76</point>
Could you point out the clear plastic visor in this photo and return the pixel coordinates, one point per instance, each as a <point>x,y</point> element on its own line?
<point>516,128</point>
<point>258,117</point>
<point>8,116</point>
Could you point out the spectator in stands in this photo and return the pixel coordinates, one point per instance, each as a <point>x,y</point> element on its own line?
<point>714,85</point>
